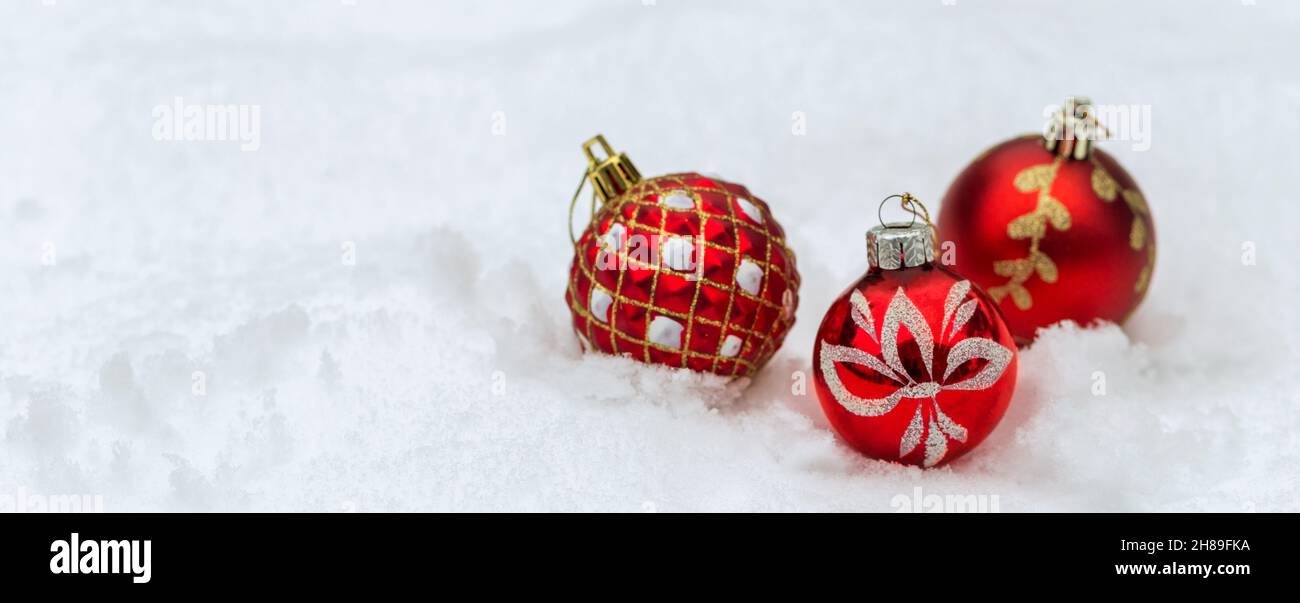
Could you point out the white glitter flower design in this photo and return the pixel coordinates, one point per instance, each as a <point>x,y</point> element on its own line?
<point>903,313</point>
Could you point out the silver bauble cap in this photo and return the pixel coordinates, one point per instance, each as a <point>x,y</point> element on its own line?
<point>899,245</point>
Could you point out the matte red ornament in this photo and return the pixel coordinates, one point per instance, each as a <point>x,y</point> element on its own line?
<point>1053,228</point>
<point>913,363</point>
<point>682,270</point>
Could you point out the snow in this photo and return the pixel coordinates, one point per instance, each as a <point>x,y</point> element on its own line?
<point>366,312</point>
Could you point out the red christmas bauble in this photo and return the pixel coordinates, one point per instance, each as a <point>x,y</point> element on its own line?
<point>683,270</point>
<point>1049,235</point>
<point>913,363</point>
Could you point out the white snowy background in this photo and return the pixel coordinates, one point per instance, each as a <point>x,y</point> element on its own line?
<point>440,141</point>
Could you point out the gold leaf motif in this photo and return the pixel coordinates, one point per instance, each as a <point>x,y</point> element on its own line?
<point>1035,178</point>
<point>1136,202</point>
<point>1103,184</point>
<point>1033,227</point>
<point>1013,269</point>
<point>1046,267</point>
<point>1143,278</point>
<point>1137,235</point>
<point>1027,226</point>
<point>1020,295</point>
<point>1055,211</point>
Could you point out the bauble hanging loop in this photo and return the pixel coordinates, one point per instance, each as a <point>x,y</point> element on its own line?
<point>1072,129</point>
<point>611,176</point>
<point>895,245</point>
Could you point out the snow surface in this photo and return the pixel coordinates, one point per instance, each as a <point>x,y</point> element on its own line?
<point>439,373</point>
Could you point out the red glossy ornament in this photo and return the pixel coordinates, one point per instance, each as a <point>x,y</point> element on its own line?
<point>682,270</point>
<point>1051,233</point>
<point>913,363</point>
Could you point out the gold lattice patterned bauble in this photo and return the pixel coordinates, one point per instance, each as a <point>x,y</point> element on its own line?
<point>682,270</point>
